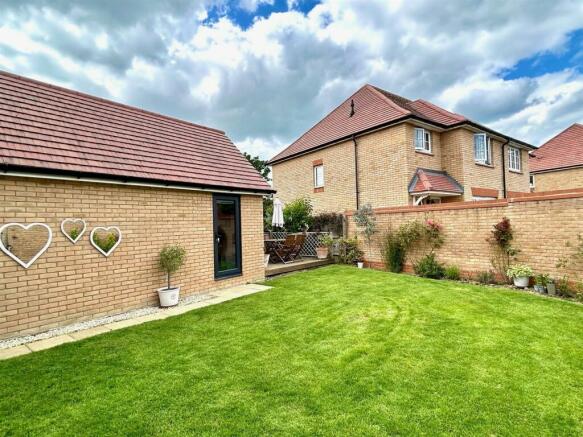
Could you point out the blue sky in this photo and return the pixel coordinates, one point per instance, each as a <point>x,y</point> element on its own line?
<point>567,56</point>
<point>267,70</point>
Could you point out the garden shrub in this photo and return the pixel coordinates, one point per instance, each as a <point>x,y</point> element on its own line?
<point>429,267</point>
<point>504,253</point>
<point>453,273</point>
<point>297,214</point>
<point>328,222</point>
<point>348,251</point>
<point>393,252</point>
<point>486,277</point>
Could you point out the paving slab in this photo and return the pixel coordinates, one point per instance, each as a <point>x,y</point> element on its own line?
<point>48,343</point>
<point>14,352</point>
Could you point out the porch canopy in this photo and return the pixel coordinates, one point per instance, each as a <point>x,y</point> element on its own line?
<point>429,186</point>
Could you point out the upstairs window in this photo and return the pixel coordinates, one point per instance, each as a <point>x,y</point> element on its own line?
<point>422,140</point>
<point>531,181</point>
<point>318,176</point>
<point>482,149</point>
<point>514,163</point>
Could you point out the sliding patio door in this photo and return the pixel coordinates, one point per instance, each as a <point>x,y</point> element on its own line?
<point>227,234</point>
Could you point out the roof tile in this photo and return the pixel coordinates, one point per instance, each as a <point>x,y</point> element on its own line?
<point>563,150</point>
<point>43,126</point>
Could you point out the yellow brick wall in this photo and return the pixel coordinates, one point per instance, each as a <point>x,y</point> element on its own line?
<point>387,161</point>
<point>559,180</point>
<point>541,229</point>
<point>70,282</point>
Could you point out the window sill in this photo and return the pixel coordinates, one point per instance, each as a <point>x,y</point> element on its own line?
<point>318,189</point>
<point>423,152</point>
<point>220,277</point>
<point>482,164</point>
<point>515,171</point>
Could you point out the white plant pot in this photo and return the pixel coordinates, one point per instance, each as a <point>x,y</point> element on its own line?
<point>266,260</point>
<point>521,282</point>
<point>360,265</point>
<point>168,296</point>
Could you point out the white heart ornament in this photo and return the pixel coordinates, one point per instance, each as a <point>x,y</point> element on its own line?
<point>26,265</point>
<point>72,220</point>
<point>106,229</point>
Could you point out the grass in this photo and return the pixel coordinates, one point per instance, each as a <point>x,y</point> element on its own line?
<point>331,351</point>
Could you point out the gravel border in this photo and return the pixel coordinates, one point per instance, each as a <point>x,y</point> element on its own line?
<point>80,326</point>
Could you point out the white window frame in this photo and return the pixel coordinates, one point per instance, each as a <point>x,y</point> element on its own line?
<point>316,168</point>
<point>422,139</point>
<point>531,181</point>
<point>514,159</point>
<point>486,156</point>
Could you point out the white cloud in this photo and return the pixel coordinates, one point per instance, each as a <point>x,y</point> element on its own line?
<point>265,85</point>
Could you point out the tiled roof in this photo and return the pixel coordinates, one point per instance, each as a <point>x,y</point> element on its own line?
<point>427,180</point>
<point>561,151</point>
<point>44,127</point>
<point>373,107</point>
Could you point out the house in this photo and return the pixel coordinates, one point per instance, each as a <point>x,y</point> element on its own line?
<point>558,163</point>
<point>140,180</point>
<point>382,149</point>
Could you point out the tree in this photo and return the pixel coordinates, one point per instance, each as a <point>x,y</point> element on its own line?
<point>259,164</point>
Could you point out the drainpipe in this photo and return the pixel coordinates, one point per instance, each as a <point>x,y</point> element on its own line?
<point>356,171</point>
<point>504,191</point>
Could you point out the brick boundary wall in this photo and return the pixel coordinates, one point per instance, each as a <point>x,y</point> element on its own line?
<point>542,223</point>
<point>74,282</point>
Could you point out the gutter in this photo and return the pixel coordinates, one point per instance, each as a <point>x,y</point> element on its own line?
<point>136,182</point>
<point>504,190</point>
<point>357,192</point>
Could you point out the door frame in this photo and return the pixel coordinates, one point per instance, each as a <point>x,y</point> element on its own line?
<point>238,270</point>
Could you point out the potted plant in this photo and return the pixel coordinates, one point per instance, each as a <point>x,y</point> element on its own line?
<point>324,245</point>
<point>540,283</point>
<point>551,287</point>
<point>520,273</point>
<point>171,259</point>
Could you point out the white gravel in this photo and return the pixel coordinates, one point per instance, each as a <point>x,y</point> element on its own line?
<point>16,341</point>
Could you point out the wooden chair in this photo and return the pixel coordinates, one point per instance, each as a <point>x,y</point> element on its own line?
<point>284,250</point>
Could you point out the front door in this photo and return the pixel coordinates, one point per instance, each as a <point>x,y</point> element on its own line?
<point>227,234</point>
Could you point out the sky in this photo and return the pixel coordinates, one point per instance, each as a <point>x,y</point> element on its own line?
<point>265,71</point>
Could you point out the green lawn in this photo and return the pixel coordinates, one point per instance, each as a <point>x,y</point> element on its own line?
<point>332,351</point>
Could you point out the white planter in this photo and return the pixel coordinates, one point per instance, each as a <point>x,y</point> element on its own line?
<point>360,265</point>
<point>168,296</point>
<point>266,260</point>
<point>521,282</point>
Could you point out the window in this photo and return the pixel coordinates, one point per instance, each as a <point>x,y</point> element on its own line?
<point>318,176</point>
<point>531,181</point>
<point>422,140</point>
<point>514,159</point>
<point>482,151</point>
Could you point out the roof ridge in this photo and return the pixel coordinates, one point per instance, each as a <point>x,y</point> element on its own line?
<point>379,92</point>
<point>320,121</point>
<point>442,110</point>
<point>103,100</point>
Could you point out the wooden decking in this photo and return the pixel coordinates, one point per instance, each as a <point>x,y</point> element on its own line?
<point>303,264</point>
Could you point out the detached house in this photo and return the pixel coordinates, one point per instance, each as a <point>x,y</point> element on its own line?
<point>386,150</point>
<point>558,163</point>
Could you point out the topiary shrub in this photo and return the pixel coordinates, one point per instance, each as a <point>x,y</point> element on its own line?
<point>452,273</point>
<point>429,267</point>
<point>171,259</point>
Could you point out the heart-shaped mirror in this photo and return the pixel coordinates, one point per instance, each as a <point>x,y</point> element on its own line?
<point>105,239</point>
<point>25,243</point>
<point>73,228</point>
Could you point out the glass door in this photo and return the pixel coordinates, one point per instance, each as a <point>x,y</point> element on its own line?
<point>227,234</point>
